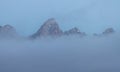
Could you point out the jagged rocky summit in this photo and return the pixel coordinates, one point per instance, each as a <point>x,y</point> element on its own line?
<point>51,28</point>
<point>107,31</point>
<point>74,31</point>
<point>7,31</point>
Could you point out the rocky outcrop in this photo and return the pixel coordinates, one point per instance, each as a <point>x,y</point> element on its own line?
<point>49,28</point>
<point>74,31</point>
<point>7,31</point>
<point>108,31</point>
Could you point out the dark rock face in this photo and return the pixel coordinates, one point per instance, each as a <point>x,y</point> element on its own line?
<point>49,28</point>
<point>7,31</point>
<point>109,31</point>
<point>74,31</point>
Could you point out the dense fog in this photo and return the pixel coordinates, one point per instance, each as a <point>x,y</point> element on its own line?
<point>64,54</point>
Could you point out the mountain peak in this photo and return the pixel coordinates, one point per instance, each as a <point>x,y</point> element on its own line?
<point>49,28</point>
<point>7,31</point>
<point>50,21</point>
<point>8,28</point>
<point>109,31</point>
<point>74,31</point>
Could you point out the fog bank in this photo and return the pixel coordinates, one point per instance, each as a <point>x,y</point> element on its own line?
<point>65,54</point>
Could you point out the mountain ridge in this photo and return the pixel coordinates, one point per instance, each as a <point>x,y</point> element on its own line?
<point>50,28</point>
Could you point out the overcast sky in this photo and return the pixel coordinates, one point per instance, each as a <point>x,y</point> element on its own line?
<point>89,15</point>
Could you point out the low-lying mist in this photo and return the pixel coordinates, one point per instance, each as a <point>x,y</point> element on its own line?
<point>64,54</point>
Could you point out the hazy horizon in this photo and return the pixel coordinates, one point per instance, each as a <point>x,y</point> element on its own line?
<point>90,16</point>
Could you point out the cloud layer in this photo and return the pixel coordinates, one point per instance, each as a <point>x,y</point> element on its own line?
<point>65,54</point>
